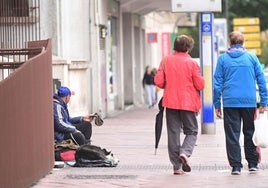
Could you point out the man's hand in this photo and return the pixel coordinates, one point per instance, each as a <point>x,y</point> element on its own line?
<point>218,113</point>
<point>262,109</point>
<point>88,118</point>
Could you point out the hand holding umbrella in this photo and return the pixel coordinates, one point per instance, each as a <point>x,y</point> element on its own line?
<point>158,124</point>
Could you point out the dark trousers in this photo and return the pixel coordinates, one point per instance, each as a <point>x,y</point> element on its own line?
<point>232,128</point>
<point>83,136</point>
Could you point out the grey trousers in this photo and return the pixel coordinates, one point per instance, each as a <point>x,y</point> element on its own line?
<point>178,120</point>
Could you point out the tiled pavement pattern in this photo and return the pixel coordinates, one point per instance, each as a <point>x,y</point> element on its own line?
<point>130,137</point>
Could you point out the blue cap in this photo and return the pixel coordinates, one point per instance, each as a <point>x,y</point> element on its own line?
<point>64,91</point>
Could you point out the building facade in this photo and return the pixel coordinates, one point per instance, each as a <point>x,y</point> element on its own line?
<point>99,50</point>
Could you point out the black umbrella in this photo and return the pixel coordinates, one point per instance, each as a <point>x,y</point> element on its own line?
<point>158,124</point>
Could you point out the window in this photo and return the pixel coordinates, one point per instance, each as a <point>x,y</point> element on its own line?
<point>19,22</point>
<point>14,8</point>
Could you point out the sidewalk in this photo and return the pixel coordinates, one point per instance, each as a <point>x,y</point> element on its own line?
<point>130,137</point>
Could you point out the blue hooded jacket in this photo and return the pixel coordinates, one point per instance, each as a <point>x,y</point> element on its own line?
<point>63,124</point>
<point>235,78</point>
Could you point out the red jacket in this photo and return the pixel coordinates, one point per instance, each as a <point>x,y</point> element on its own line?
<point>179,75</point>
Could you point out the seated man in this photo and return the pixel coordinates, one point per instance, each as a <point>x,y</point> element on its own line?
<point>79,129</point>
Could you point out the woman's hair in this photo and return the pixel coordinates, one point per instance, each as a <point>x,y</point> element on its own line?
<point>183,43</point>
<point>236,37</point>
<point>147,69</point>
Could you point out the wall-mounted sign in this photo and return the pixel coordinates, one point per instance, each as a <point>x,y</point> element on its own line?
<point>151,37</point>
<point>196,6</point>
<point>165,44</point>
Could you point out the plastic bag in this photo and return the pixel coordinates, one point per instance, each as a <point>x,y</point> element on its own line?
<point>260,136</point>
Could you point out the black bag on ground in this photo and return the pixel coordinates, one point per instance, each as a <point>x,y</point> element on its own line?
<point>94,156</point>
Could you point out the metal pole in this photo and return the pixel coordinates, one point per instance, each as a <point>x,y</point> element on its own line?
<point>227,13</point>
<point>206,51</point>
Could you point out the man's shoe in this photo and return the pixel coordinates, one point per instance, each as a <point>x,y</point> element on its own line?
<point>185,164</point>
<point>236,171</point>
<point>252,169</point>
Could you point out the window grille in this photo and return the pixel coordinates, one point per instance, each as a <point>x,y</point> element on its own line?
<point>19,22</point>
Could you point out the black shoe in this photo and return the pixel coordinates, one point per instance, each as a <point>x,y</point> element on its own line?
<point>252,168</point>
<point>236,171</point>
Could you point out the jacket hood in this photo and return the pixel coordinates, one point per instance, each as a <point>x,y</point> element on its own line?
<point>236,51</point>
<point>58,99</point>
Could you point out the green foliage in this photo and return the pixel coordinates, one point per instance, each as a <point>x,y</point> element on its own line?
<point>236,9</point>
<point>194,33</point>
<point>247,8</point>
<point>264,55</point>
<point>244,8</point>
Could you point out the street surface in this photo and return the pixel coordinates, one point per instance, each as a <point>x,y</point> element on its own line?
<point>130,137</point>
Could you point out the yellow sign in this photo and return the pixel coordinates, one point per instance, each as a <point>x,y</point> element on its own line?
<point>252,36</point>
<point>251,30</point>
<point>256,51</point>
<point>252,44</point>
<point>246,21</point>
<point>247,28</point>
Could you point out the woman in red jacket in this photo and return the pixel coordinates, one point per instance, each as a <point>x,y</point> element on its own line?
<point>179,75</point>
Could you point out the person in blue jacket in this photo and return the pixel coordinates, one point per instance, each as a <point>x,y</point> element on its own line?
<point>235,78</point>
<point>79,129</point>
